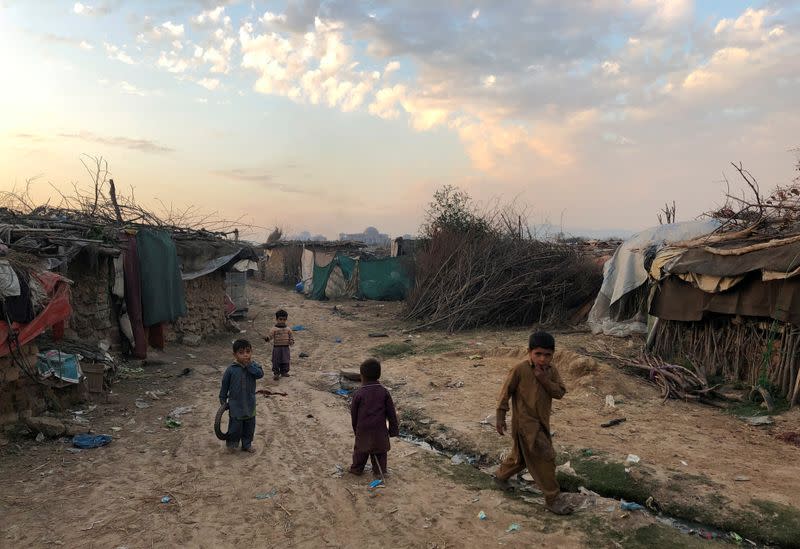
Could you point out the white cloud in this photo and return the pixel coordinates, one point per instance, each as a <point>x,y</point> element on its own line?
<point>84,45</point>
<point>130,89</point>
<point>387,102</point>
<point>475,14</point>
<point>173,30</point>
<point>201,100</point>
<point>391,67</point>
<point>119,54</point>
<point>489,81</point>
<point>209,83</point>
<point>81,9</point>
<point>315,66</point>
<point>209,16</point>
<point>270,17</point>
<point>610,67</point>
<point>172,63</point>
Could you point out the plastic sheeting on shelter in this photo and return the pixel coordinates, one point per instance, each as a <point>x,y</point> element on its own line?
<point>627,270</point>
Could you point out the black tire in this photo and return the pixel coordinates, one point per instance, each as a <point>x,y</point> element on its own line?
<point>218,423</point>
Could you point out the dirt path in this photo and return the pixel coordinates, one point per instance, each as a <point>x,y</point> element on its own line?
<point>111,497</point>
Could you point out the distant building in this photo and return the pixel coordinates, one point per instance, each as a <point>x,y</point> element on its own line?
<point>371,237</point>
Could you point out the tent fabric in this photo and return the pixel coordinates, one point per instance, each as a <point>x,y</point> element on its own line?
<point>307,270</point>
<point>383,279</point>
<point>626,269</point>
<point>379,279</point>
<point>133,297</point>
<point>778,299</point>
<point>57,311</point>
<point>163,297</point>
<point>9,282</point>
<point>783,259</point>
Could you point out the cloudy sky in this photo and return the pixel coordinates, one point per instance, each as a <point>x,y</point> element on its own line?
<point>334,115</point>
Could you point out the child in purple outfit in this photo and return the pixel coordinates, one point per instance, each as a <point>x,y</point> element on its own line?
<point>370,410</point>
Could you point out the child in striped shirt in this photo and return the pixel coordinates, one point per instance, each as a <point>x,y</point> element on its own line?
<point>282,338</point>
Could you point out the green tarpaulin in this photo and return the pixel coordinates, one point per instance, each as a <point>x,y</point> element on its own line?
<point>386,279</point>
<point>162,288</point>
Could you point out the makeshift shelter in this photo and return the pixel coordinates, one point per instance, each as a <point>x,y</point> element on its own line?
<point>130,285</point>
<point>291,261</point>
<point>328,275</point>
<point>620,308</point>
<point>730,304</point>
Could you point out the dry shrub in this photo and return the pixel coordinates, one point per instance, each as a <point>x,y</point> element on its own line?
<point>469,279</point>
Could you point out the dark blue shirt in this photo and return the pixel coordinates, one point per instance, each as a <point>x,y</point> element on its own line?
<point>239,389</point>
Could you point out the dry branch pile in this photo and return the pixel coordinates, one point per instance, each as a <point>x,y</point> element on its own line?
<point>476,278</point>
<point>674,381</point>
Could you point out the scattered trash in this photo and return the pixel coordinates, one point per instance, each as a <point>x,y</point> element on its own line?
<point>455,384</point>
<point>267,495</point>
<point>337,340</point>
<point>613,422</point>
<point>185,372</point>
<point>587,452</point>
<point>190,355</point>
<point>40,437</point>
<point>298,328</point>
<point>74,450</point>
<point>299,287</point>
<point>736,537</point>
<point>513,527</point>
<point>338,471</point>
<point>632,459</point>
<point>179,411</point>
<point>482,515</point>
<point>610,401</point>
<point>116,429</point>
<point>87,441</point>
<point>375,483</point>
<point>567,469</point>
<point>166,499</point>
<point>310,416</point>
<point>652,504</point>
<point>377,335</point>
<point>630,506</point>
<point>527,477</point>
<point>172,423</point>
<point>475,357</point>
<point>741,478</point>
<point>425,421</point>
<point>757,421</point>
<point>141,404</point>
<point>342,392</point>
<point>458,459</point>
<point>155,394</point>
<point>684,463</point>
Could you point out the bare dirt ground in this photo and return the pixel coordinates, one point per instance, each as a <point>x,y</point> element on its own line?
<point>111,497</point>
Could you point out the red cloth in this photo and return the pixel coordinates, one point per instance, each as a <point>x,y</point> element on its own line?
<point>57,311</point>
<point>133,296</point>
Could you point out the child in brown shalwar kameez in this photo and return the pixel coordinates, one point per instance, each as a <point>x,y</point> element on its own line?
<point>371,408</point>
<point>532,385</point>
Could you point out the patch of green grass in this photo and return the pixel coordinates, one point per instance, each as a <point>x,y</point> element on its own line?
<point>608,479</point>
<point>750,409</point>
<point>779,523</point>
<point>694,479</point>
<point>392,350</point>
<point>440,347</point>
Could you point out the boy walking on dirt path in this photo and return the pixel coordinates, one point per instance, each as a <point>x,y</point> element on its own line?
<point>282,338</point>
<point>531,385</point>
<point>371,408</point>
<point>239,391</point>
